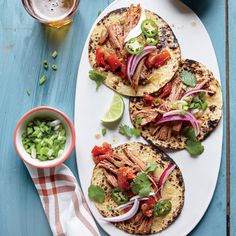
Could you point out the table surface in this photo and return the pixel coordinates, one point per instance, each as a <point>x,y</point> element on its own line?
<point>24,43</point>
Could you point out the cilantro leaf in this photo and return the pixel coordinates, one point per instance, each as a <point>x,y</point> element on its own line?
<point>141,185</point>
<point>188,78</point>
<point>129,132</point>
<point>135,132</point>
<point>96,193</point>
<point>189,133</point>
<point>125,130</point>
<point>195,148</point>
<point>151,167</point>
<point>192,145</point>
<point>104,131</point>
<point>97,77</point>
<point>138,120</point>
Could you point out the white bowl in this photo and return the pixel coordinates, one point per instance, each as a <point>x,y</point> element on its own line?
<point>44,112</point>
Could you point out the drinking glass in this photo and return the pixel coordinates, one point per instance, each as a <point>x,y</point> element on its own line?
<point>55,13</point>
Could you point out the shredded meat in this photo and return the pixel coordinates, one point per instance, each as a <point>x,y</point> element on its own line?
<point>164,133</point>
<point>108,166</point>
<point>145,226</point>
<point>120,160</point>
<point>103,37</point>
<point>132,18</point>
<point>111,179</point>
<point>148,114</point>
<point>134,159</point>
<point>137,74</point>
<point>138,218</point>
<point>202,83</point>
<point>141,165</point>
<point>116,35</point>
<point>176,91</point>
<point>177,126</point>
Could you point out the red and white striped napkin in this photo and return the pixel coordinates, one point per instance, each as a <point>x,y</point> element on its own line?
<point>63,201</point>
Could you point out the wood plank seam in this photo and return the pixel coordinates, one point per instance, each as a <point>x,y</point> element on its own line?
<point>227,119</point>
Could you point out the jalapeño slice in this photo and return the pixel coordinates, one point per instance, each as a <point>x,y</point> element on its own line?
<point>149,28</point>
<point>162,208</point>
<point>119,197</point>
<point>151,41</point>
<point>134,46</point>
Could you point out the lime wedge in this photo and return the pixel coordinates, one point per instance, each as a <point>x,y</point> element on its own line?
<point>115,111</point>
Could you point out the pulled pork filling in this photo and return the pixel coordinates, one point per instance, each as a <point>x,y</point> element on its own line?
<point>120,170</point>
<point>153,107</point>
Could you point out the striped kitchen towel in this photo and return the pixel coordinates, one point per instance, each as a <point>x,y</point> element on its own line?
<point>63,201</point>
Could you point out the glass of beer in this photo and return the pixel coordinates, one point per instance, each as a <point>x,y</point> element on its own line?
<point>55,13</point>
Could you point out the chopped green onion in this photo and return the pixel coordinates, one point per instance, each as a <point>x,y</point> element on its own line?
<point>42,80</point>
<point>54,54</point>
<point>45,64</point>
<point>54,67</point>
<point>42,140</point>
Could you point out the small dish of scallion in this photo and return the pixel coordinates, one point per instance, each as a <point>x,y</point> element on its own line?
<point>44,137</point>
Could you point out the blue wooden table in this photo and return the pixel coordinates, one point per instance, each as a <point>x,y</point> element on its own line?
<point>24,43</point>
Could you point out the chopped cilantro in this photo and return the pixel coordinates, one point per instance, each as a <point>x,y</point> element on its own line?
<point>96,193</point>
<point>188,78</point>
<point>193,146</point>
<point>104,131</point>
<point>97,77</point>
<point>129,132</point>
<point>141,185</point>
<point>151,167</point>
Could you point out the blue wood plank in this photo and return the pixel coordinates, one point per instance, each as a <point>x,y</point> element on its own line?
<point>23,45</point>
<point>232,77</point>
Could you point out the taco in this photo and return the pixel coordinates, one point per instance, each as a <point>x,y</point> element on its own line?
<point>142,65</point>
<point>192,99</point>
<point>138,171</point>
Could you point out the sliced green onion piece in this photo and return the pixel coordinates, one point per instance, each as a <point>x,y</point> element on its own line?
<point>45,64</point>
<point>42,80</point>
<point>54,54</point>
<point>54,67</point>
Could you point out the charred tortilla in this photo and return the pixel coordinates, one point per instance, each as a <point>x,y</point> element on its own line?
<point>207,121</point>
<point>155,78</point>
<point>173,188</point>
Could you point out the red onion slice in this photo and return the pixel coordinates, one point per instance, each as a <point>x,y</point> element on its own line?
<point>177,115</point>
<point>195,91</point>
<point>129,65</point>
<point>128,215</point>
<point>164,176</point>
<point>139,57</point>
<point>131,201</point>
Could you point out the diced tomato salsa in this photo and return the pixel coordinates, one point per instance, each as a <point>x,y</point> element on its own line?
<point>158,60</point>
<point>124,176</point>
<point>101,153</point>
<point>109,62</point>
